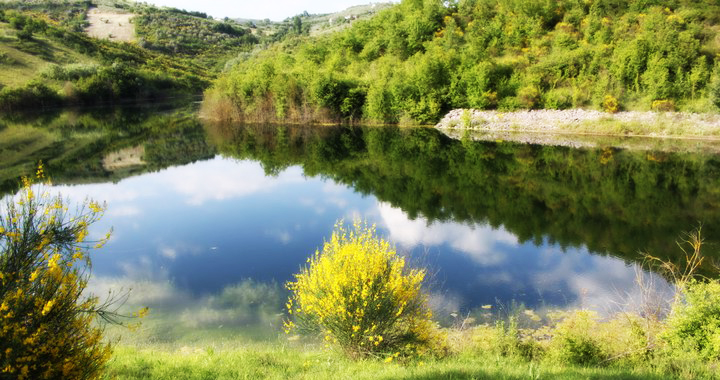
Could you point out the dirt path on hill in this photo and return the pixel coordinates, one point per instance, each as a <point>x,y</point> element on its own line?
<point>112,25</point>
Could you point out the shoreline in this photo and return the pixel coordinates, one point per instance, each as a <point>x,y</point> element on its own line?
<point>578,128</point>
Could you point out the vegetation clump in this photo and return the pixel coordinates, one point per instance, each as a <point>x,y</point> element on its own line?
<point>694,324</point>
<point>47,322</point>
<point>361,295</point>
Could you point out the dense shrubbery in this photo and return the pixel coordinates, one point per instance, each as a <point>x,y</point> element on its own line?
<point>417,60</point>
<point>34,95</point>
<point>181,33</point>
<point>119,71</point>
<point>360,294</point>
<point>694,325</point>
<point>48,323</point>
<point>69,14</point>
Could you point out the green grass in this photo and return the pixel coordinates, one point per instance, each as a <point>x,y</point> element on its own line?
<point>22,61</point>
<point>661,127</point>
<point>296,361</point>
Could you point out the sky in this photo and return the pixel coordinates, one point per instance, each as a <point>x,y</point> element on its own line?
<point>276,10</point>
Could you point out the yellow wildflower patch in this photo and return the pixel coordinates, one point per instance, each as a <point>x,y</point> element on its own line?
<point>358,289</point>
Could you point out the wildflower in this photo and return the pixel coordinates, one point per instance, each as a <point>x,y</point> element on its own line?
<point>48,307</point>
<point>40,173</point>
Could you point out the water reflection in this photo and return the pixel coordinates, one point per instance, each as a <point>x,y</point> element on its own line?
<point>207,239</point>
<point>180,244</point>
<point>216,261</point>
<point>479,264</point>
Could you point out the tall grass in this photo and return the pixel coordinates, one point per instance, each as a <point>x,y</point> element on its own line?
<point>284,361</point>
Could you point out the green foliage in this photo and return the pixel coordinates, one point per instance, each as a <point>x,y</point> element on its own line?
<point>574,342</point>
<point>68,14</point>
<point>714,87</point>
<point>26,25</point>
<point>663,105</point>
<point>71,72</point>
<point>506,339</point>
<point>528,96</point>
<point>114,72</point>
<point>48,322</point>
<point>361,295</point>
<point>694,324</point>
<point>558,99</point>
<point>283,361</point>
<point>181,33</point>
<point>33,95</point>
<point>421,58</point>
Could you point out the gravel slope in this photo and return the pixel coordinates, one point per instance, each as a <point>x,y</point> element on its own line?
<point>662,131</point>
<point>677,124</point>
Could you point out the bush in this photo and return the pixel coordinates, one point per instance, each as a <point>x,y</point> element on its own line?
<point>610,104</point>
<point>33,95</point>
<point>694,323</point>
<point>6,59</point>
<point>574,341</point>
<point>71,72</point>
<point>559,99</point>
<point>49,328</point>
<point>663,105</point>
<point>529,96</point>
<point>362,296</point>
<point>506,339</point>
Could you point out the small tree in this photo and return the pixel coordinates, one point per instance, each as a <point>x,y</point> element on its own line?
<point>47,328</point>
<point>361,295</point>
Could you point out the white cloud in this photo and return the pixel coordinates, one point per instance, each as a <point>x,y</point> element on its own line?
<point>281,236</point>
<point>124,211</point>
<point>481,243</point>
<point>168,252</point>
<point>219,179</point>
<point>177,249</point>
<point>602,283</point>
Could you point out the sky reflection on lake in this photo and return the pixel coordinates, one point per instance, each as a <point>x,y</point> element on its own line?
<point>186,234</point>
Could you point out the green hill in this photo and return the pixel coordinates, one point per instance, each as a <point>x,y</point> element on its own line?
<point>47,58</point>
<point>421,58</point>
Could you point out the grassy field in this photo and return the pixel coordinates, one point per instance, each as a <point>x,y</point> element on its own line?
<point>295,361</point>
<point>21,61</point>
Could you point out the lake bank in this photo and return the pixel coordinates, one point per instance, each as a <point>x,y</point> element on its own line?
<point>578,128</point>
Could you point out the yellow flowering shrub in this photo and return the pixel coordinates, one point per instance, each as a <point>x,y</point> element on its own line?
<point>47,328</point>
<point>610,104</point>
<point>663,105</point>
<point>362,296</point>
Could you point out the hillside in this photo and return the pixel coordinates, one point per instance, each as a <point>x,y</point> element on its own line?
<point>415,61</point>
<point>306,24</point>
<point>55,53</point>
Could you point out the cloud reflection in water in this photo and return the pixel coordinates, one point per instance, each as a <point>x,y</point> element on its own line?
<point>501,269</point>
<point>183,235</point>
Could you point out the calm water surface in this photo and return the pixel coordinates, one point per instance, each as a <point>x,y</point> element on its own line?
<point>211,221</point>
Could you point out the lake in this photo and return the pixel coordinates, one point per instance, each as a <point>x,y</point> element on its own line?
<point>209,221</point>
